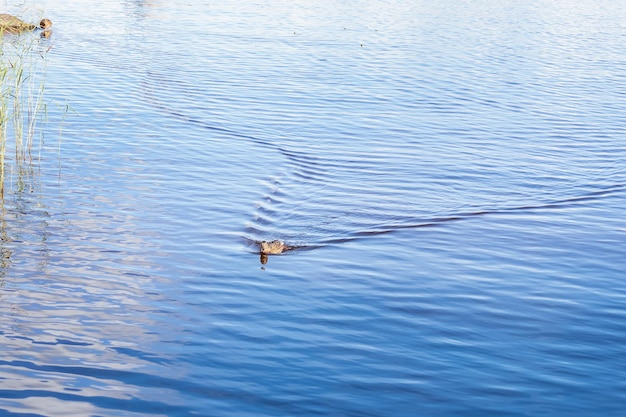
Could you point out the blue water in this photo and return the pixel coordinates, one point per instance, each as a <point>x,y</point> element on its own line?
<point>451,175</point>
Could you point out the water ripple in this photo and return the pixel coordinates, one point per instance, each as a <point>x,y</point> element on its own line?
<point>451,180</point>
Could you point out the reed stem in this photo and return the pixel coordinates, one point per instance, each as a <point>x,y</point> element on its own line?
<point>22,105</point>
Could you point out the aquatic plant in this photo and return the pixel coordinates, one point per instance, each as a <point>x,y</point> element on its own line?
<point>22,104</point>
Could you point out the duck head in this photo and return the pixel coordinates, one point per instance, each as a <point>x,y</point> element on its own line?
<point>45,24</point>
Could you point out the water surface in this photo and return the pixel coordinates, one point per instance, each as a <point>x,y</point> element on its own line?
<point>452,175</point>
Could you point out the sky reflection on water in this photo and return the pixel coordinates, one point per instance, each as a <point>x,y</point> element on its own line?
<point>452,174</point>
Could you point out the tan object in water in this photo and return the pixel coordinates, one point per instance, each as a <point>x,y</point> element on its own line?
<point>11,23</point>
<point>275,247</point>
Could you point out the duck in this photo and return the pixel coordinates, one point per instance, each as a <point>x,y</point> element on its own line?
<point>275,247</point>
<point>11,23</point>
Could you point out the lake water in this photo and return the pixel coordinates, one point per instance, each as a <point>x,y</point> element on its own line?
<point>451,175</point>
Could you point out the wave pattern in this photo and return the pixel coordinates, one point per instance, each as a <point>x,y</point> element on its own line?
<point>458,169</point>
<point>383,139</point>
<point>366,186</point>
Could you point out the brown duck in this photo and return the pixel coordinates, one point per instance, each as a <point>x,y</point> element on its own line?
<point>274,247</point>
<point>10,23</point>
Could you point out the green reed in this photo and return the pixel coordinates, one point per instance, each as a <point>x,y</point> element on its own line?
<point>22,105</point>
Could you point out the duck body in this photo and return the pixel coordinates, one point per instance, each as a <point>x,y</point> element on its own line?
<point>275,247</point>
<point>11,23</point>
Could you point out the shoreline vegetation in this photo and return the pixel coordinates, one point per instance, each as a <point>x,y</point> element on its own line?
<point>23,109</point>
